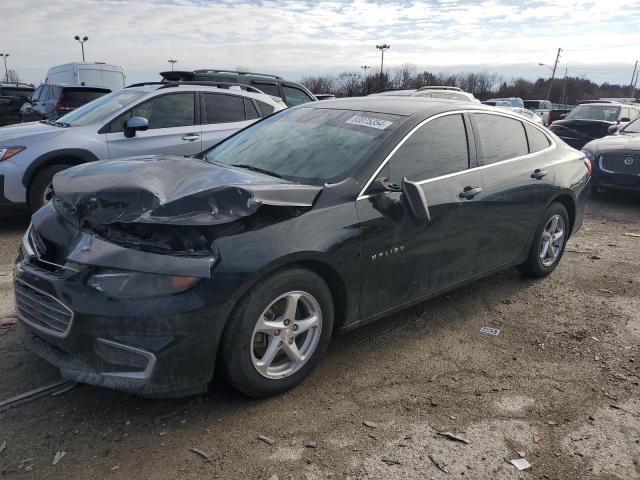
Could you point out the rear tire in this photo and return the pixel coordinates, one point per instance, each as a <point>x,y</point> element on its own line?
<point>549,241</point>
<point>272,342</point>
<point>41,190</point>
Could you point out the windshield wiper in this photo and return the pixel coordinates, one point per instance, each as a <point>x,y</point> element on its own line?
<point>257,169</point>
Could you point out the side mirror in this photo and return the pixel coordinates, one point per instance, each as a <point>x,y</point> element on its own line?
<point>625,120</point>
<point>613,129</point>
<point>382,184</point>
<point>416,200</point>
<point>135,124</point>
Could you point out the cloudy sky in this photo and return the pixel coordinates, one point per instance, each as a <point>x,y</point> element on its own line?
<point>600,38</point>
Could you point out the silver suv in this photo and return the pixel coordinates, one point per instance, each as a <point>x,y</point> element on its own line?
<point>167,118</point>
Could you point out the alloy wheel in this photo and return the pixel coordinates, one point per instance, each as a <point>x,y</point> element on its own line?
<point>552,240</point>
<point>286,335</point>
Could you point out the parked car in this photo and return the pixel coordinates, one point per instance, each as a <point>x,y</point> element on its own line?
<point>291,93</point>
<point>557,114</point>
<point>172,118</point>
<point>50,101</point>
<point>320,218</point>
<point>529,115</point>
<point>88,74</point>
<point>540,108</point>
<point>497,103</point>
<point>616,159</point>
<point>12,96</point>
<point>450,93</point>
<point>591,120</point>
<point>513,101</point>
<point>324,96</point>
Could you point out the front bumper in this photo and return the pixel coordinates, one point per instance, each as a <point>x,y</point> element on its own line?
<point>160,347</point>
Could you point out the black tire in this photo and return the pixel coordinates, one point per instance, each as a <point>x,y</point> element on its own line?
<point>236,346</point>
<point>40,183</point>
<point>534,266</point>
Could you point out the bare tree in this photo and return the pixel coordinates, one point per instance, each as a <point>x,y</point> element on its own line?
<point>323,84</point>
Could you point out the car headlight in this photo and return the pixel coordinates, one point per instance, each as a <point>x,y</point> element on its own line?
<point>7,152</point>
<point>589,155</point>
<point>120,284</point>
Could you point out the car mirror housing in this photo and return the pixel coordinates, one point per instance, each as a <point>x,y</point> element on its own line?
<point>417,201</point>
<point>383,184</point>
<point>135,124</point>
<point>613,129</point>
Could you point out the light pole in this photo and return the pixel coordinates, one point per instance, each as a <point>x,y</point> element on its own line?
<point>172,62</point>
<point>382,49</point>
<point>81,40</point>
<point>6,72</point>
<point>365,68</point>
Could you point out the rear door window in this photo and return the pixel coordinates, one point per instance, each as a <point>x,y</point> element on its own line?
<point>537,140</point>
<point>268,88</point>
<point>501,138</point>
<point>220,108</point>
<point>295,96</point>
<point>438,148</point>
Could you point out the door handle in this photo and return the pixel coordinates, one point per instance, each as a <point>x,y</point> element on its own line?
<point>538,174</point>
<point>469,192</point>
<point>190,137</point>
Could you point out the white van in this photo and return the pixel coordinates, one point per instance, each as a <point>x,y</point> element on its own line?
<point>89,74</point>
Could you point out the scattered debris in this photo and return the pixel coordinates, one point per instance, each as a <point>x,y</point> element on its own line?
<point>199,452</point>
<point>522,454</point>
<point>520,463</point>
<point>551,422</point>
<point>571,250</point>
<point>604,290</point>
<point>114,468</point>
<point>8,321</point>
<point>439,464</point>
<point>58,456</point>
<point>596,358</point>
<point>162,434</point>
<point>536,438</point>
<point>615,407</point>
<point>311,444</point>
<point>595,257</point>
<point>490,331</point>
<point>369,424</point>
<point>371,435</point>
<point>3,446</point>
<point>268,440</point>
<point>62,385</point>
<point>453,437</point>
<point>629,234</point>
<point>390,461</point>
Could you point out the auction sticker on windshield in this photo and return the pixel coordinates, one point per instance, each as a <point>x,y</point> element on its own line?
<point>369,122</point>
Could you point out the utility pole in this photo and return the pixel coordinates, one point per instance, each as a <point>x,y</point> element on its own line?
<point>172,62</point>
<point>633,76</point>
<point>564,87</point>
<point>6,72</point>
<point>81,40</point>
<point>553,75</point>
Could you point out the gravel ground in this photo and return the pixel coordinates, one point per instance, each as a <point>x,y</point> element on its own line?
<point>559,384</point>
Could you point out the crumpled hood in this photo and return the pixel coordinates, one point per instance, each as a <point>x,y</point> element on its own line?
<point>587,128</point>
<point>27,133</point>
<point>170,190</point>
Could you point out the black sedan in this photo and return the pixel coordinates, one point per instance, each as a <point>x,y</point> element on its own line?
<point>593,120</point>
<point>616,159</point>
<point>144,274</point>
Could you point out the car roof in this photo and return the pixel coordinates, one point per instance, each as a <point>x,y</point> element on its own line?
<point>406,106</point>
<point>155,86</point>
<point>73,85</point>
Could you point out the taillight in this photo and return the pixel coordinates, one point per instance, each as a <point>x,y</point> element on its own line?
<point>587,163</point>
<point>63,106</point>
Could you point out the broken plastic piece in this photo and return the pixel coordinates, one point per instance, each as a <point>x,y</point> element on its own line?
<point>490,331</point>
<point>520,463</point>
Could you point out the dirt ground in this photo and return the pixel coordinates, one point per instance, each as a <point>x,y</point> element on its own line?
<point>558,384</point>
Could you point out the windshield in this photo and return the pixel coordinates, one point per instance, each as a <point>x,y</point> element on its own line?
<point>606,113</point>
<point>306,145</point>
<point>15,92</point>
<point>100,108</point>
<point>633,127</point>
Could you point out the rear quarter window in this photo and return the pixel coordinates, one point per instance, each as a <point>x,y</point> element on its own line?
<point>537,140</point>
<point>501,138</point>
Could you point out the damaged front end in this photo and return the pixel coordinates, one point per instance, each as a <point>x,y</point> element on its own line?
<point>113,281</point>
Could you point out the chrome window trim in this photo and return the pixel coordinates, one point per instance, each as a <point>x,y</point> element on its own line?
<point>144,375</point>
<point>40,328</point>
<point>552,145</point>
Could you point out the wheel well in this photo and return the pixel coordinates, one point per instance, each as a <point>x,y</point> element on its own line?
<point>335,284</point>
<point>52,163</point>
<point>570,205</point>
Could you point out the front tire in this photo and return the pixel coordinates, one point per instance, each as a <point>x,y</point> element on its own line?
<point>548,243</point>
<point>277,332</point>
<point>41,190</point>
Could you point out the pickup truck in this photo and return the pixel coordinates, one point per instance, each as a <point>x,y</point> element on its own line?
<point>540,108</point>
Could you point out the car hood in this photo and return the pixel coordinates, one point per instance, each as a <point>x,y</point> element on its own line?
<point>170,190</point>
<point>618,142</point>
<point>590,128</point>
<point>26,133</point>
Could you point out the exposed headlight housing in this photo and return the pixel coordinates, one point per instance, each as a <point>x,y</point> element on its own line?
<point>589,155</point>
<point>7,152</point>
<point>122,284</point>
